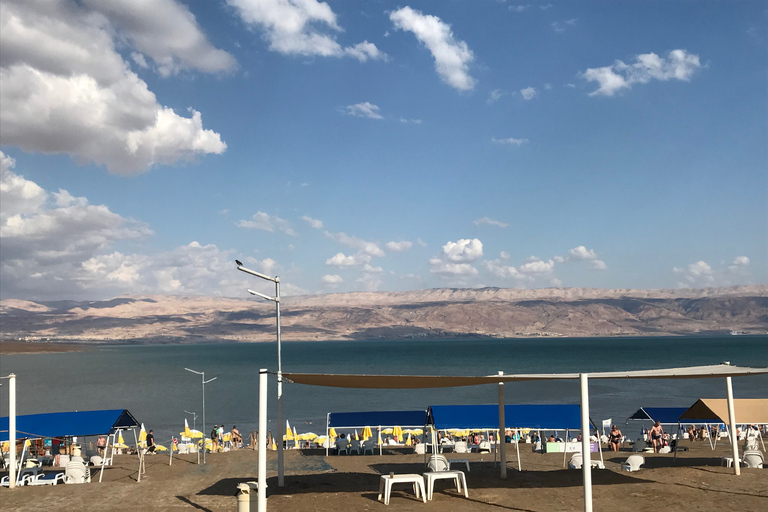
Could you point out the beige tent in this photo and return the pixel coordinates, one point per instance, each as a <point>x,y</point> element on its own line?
<point>747,410</point>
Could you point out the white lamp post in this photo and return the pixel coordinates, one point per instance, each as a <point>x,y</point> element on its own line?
<point>204,383</point>
<point>12,430</point>
<point>280,423</point>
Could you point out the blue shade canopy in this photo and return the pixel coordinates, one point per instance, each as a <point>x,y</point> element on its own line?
<point>65,424</point>
<point>664,415</point>
<point>543,416</point>
<point>377,418</point>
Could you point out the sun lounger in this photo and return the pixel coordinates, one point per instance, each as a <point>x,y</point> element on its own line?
<point>753,459</point>
<point>46,479</point>
<point>633,463</point>
<point>77,473</point>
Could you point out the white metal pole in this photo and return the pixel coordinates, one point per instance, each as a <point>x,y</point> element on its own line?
<point>280,424</point>
<point>586,457</point>
<point>501,438</point>
<point>203,380</point>
<point>12,430</point>
<point>732,423</point>
<point>262,469</point>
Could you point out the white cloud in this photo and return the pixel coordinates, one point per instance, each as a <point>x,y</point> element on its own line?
<point>519,8</point>
<point>560,26</point>
<point>410,121</point>
<point>504,255</point>
<point>740,264</point>
<point>581,253</point>
<point>442,267</point>
<point>452,57</point>
<point>315,223</point>
<point>398,246</point>
<point>364,109</point>
<point>295,27</point>
<point>342,260</point>
<point>370,282</point>
<point>463,251</point>
<point>486,221</point>
<point>67,90</point>
<point>332,279</point>
<point>369,248</point>
<point>500,270</point>
<point>266,222</point>
<point>495,95</point>
<point>368,268</point>
<point>700,273</point>
<point>678,65</point>
<point>510,141</point>
<point>528,93</point>
<point>421,242</point>
<point>598,265</point>
<point>537,266</point>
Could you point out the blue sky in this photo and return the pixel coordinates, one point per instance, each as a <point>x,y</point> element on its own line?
<point>381,146</point>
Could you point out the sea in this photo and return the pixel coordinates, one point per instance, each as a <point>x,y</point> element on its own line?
<point>151,381</point>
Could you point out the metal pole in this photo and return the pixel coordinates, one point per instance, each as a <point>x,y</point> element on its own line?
<point>732,423</point>
<point>586,457</point>
<point>12,430</point>
<point>280,422</point>
<point>203,379</point>
<point>262,469</point>
<point>501,438</point>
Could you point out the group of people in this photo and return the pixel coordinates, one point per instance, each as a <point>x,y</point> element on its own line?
<point>217,438</point>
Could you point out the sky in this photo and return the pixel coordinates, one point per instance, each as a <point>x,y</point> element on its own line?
<point>380,146</point>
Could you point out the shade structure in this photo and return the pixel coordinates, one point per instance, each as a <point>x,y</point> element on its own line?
<point>379,418</point>
<point>747,410</point>
<point>665,415</point>
<point>68,424</point>
<point>446,381</point>
<point>541,416</point>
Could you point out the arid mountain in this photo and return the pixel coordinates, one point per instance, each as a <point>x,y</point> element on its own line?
<point>492,312</point>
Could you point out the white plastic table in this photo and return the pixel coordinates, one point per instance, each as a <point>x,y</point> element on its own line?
<point>386,482</point>
<point>459,461</point>
<point>457,476</point>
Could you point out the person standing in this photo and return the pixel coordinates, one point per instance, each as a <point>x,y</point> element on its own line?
<point>615,438</point>
<point>215,438</point>
<point>236,437</point>
<point>221,436</point>
<point>151,442</point>
<point>655,434</point>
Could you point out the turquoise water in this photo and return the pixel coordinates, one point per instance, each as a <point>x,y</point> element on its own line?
<point>150,381</point>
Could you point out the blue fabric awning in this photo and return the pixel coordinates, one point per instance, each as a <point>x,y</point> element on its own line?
<point>377,418</point>
<point>664,415</point>
<point>543,416</point>
<point>65,424</point>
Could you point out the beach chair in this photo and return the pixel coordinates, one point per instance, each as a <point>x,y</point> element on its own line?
<point>76,473</point>
<point>484,447</point>
<point>438,463</point>
<point>576,462</point>
<point>342,445</point>
<point>354,446</point>
<point>369,446</point>
<point>633,463</point>
<point>753,459</point>
<point>460,447</point>
<point>45,479</point>
<point>419,448</point>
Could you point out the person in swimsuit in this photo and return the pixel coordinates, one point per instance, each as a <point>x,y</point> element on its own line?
<point>614,438</point>
<point>655,433</point>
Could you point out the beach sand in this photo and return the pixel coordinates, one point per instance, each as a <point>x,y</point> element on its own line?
<point>696,482</point>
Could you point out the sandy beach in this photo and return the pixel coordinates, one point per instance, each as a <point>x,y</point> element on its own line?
<point>695,482</point>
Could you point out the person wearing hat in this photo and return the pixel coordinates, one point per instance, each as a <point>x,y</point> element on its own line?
<point>215,438</point>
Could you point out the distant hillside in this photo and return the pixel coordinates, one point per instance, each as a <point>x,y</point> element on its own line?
<point>491,312</point>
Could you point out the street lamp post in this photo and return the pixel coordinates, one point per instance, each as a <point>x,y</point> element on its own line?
<point>280,422</point>
<point>204,383</point>
<point>194,418</point>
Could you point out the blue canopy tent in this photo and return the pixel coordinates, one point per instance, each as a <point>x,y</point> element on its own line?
<point>69,424</point>
<point>375,419</point>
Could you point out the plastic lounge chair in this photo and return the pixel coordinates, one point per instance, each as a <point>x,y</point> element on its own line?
<point>753,459</point>
<point>460,447</point>
<point>46,479</point>
<point>438,463</point>
<point>484,447</point>
<point>342,445</point>
<point>76,473</point>
<point>419,448</point>
<point>369,446</point>
<point>576,461</point>
<point>633,463</point>
<point>354,446</point>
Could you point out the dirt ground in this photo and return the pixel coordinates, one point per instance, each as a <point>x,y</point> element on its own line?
<point>695,482</point>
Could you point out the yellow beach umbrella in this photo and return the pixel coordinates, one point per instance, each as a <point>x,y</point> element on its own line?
<point>120,438</point>
<point>187,431</point>
<point>142,437</point>
<point>387,431</point>
<point>160,448</point>
<point>367,434</point>
<point>288,436</point>
<point>398,433</point>
<point>296,437</point>
<point>409,441</point>
<point>332,432</point>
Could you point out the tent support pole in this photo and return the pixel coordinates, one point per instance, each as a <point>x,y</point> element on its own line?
<point>12,469</point>
<point>732,423</point>
<point>501,438</point>
<point>327,433</point>
<point>517,450</point>
<point>565,448</point>
<point>262,466</point>
<point>586,457</point>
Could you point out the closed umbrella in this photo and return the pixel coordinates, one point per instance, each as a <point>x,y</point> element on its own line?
<point>142,437</point>
<point>332,432</point>
<point>397,432</point>
<point>367,434</point>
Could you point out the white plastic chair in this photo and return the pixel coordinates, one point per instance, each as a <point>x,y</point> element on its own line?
<point>369,446</point>
<point>460,447</point>
<point>753,459</point>
<point>342,445</point>
<point>76,473</point>
<point>438,463</point>
<point>354,446</point>
<point>633,463</point>
<point>419,448</point>
<point>576,461</point>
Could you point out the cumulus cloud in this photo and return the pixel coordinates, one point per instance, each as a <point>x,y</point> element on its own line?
<point>510,141</point>
<point>495,95</point>
<point>697,273</point>
<point>364,109</point>
<point>581,253</point>
<point>487,221</point>
<point>410,121</point>
<point>301,27</point>
<point>452,56</point>
<point>398,246</point>
<point>315,223</point>
<point>536,266</point>
<point>560,26</point>
<point>342,260</point>
<point>498,269</point>
<point>740,263</point>
<point>677,65</point>
<point>266,222</point>
<point>66,89</point>
<point>332,279</point>
<point>464,250</point>
<point>445,268</point>
<point>519,8</point>
<point>369,248</point>
<point>528,93</point>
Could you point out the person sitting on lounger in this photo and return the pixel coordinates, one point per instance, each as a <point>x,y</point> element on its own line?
<point>614,439</point>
